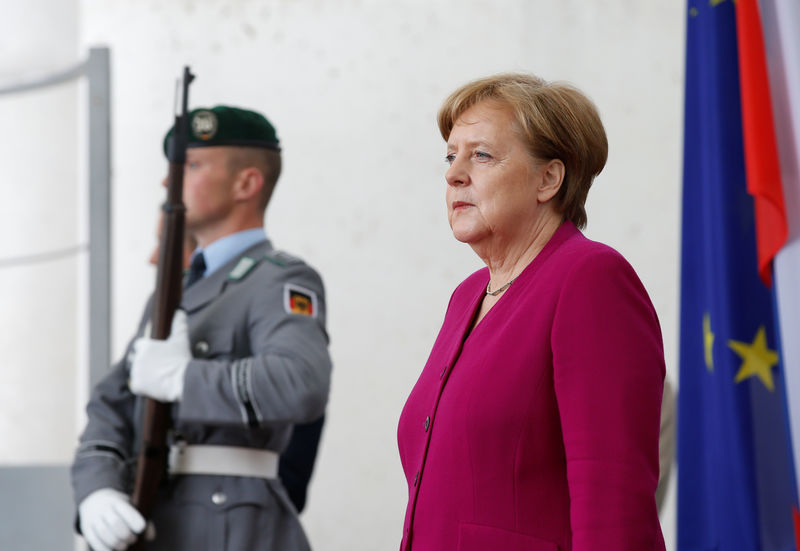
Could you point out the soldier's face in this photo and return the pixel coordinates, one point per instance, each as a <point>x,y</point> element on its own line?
<point>207,189</point>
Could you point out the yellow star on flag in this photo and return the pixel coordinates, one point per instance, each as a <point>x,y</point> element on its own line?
<point>708,341</point>
<point>757,358</point>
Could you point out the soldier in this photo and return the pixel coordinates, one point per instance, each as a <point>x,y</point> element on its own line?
<point>246,362</point>
<point>297,460</point>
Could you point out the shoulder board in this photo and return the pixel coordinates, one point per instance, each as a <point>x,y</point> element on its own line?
<point>282,258</point>
<point>242,268</point>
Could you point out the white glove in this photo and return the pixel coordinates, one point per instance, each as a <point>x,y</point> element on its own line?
<point>158,366</point>
<point>108,520</point>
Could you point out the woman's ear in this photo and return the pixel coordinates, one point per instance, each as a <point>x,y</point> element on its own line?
<point>552,178</point>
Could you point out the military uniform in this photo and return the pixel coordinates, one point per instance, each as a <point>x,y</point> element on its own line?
<point>260,364</point>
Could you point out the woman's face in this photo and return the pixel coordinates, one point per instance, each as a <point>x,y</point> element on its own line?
<point>493,181</point>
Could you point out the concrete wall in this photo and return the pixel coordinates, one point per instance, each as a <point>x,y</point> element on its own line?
<point>42,274</point>
<point>353,87</point>
<point>39,220</point>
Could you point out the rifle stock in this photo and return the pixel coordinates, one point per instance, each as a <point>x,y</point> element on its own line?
<point>153,449</point>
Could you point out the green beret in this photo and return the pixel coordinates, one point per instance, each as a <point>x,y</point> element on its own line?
<point>224,125</point>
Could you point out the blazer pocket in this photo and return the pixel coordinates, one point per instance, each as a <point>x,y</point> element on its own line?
<point>212,344</point>
<point>474,537</point>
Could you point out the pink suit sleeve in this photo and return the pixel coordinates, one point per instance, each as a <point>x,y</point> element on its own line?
<point>608,366</point>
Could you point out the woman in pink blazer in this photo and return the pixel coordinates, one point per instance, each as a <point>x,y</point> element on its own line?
<point>534,424</point>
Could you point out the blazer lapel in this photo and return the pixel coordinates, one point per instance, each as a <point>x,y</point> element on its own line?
<point>470,307</point>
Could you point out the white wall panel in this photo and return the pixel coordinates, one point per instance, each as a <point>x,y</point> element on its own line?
<point>38,216</point>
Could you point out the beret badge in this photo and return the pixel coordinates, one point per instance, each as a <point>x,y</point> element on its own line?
<point>204,125</point>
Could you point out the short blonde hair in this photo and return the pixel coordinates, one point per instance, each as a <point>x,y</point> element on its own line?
<point>267,161</point>
<point>555,119</point>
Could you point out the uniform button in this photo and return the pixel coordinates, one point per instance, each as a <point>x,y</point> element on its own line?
<point>219,498</point>
<point>416,477</point>
<point>444,369</point>
<point>427,423</point>
<point>201,348</point>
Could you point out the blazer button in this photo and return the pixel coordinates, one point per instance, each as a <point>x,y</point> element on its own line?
<point>201,348</point>
<point>218,498</point>
<point>444,370</point>
<point>416,477</point>
<point>427,423</point>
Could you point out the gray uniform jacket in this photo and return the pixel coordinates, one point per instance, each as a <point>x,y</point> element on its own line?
<point>261,364</point>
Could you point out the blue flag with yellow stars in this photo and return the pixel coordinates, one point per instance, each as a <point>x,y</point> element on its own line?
<point>736,487</point>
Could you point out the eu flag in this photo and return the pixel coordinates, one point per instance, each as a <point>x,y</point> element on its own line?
<point>736,484</point>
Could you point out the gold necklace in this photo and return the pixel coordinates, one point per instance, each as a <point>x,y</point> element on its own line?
<point>501,289</point>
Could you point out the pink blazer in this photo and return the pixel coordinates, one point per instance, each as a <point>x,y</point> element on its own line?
<point>539,429</point>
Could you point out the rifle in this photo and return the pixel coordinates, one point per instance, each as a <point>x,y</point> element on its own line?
<point>153,449</point>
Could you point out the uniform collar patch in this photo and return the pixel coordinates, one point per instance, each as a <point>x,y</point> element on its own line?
<point>242,268</point>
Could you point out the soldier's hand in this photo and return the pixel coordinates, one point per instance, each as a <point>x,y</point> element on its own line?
<point>108,520</point>
<point>158,367</point>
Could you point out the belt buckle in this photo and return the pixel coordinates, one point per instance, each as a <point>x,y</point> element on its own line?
<point>175,457</point>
